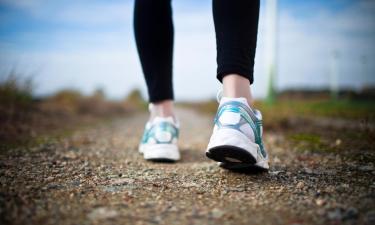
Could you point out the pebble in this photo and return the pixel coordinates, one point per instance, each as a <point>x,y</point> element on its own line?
<point>367,168</point>
<point>49,179</point>
<point>308,170</point>
<point>276,160</point>
<point>275,173</point>
<point>121,181</point>
<point>102,213</point>
<point>52,186</point>
<point>350,213</point>
<point>103,181</point>
<point>217,213</point>
<point>369,217</point>
<point>300,185</point>
<point>335,214</point>
<point>320,202</point>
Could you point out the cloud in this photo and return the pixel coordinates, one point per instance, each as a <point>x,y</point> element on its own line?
<point>306,46</point>
<point>103,13</point>
<point>83,12</point>
<point>94,46</point>
<point>27,5</point>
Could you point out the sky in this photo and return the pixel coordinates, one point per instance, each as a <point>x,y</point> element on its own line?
<point>89,44</point>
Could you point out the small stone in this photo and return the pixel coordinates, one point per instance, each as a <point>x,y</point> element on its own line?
<point>369,217</point>
<point>367,168</point>
<point>189,185</point>
<point>350,213</point>
<point>335,214</point>
<point>308,170</point>
<point>49,179</point>
<point>122,181</point>
<point>276,160</point>
<point>275,173</point>
<point>157,219</point>
<point>70,155</point>
<point>300,185</point>
<point>217,213</point>
<point>330,172</point>
<point>52,186</point>
<point>342,187</point>
<point>320,202</point>
<point>102,213</point>
<point>75,183</point>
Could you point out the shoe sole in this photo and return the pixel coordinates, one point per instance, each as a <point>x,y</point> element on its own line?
<point>230,154</point>
<point>235,150</point>
<point>243,167</point>
<point>160,152</point>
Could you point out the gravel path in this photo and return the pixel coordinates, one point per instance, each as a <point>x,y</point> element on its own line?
<point>96,176</point>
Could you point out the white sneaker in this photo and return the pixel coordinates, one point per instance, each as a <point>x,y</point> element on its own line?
<point>236,141</point>
<point>159,141</point>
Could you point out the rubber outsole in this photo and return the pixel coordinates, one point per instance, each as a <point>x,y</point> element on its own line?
<point>243,167</point>
<point>162,160</point>
<point>166,153</point>
<point>230,154</point>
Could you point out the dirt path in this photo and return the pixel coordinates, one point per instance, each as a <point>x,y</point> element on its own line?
<point>97,177</point>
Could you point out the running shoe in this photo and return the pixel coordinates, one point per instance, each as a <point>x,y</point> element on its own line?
<point>159,140</point>
<point>236,141</point>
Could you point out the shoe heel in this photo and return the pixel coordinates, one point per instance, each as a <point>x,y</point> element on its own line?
<point>229,145</point>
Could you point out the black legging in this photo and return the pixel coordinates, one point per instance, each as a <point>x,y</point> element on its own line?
<point>236,26</point>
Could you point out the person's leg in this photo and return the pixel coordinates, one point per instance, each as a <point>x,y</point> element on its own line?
<point>235,86</point>
<point>153,29</point>
<point>236,141</point>
<point>236,26</point>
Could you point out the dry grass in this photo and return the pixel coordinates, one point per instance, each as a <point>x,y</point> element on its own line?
<point>285,109</point>
<point>24,117</point>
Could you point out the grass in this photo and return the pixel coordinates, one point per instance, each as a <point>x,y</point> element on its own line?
<point>309,142</point>
<point>344,108</point>
<point>25,119</point>
<point>315,124</point>
<point>283,109</point>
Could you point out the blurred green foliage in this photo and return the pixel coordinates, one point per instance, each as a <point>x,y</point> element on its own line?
<point>309,142</point>
<point>135,100</point>
<point>16,92</point>
<point>24,116</point>
<point>344,108</point>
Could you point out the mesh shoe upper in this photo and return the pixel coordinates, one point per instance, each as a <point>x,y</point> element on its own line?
<point>160,131</point>
<point>237,114</point>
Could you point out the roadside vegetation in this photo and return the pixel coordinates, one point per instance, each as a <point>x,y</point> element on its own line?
<point>25,118</point>
<point>312,121</point>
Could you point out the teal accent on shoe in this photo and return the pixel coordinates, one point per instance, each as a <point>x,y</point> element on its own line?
<point>247,117</point>
<point>160,127</point>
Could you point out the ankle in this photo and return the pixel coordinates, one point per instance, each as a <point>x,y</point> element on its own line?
<point>161,109</point>
<point>236,86</point>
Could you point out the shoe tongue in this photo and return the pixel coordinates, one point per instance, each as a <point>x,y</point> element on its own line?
<point>227,99</point>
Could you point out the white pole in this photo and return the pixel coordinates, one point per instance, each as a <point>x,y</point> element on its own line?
<point>365,74</point>
<point>334,87</point>
<point>271,30</point>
